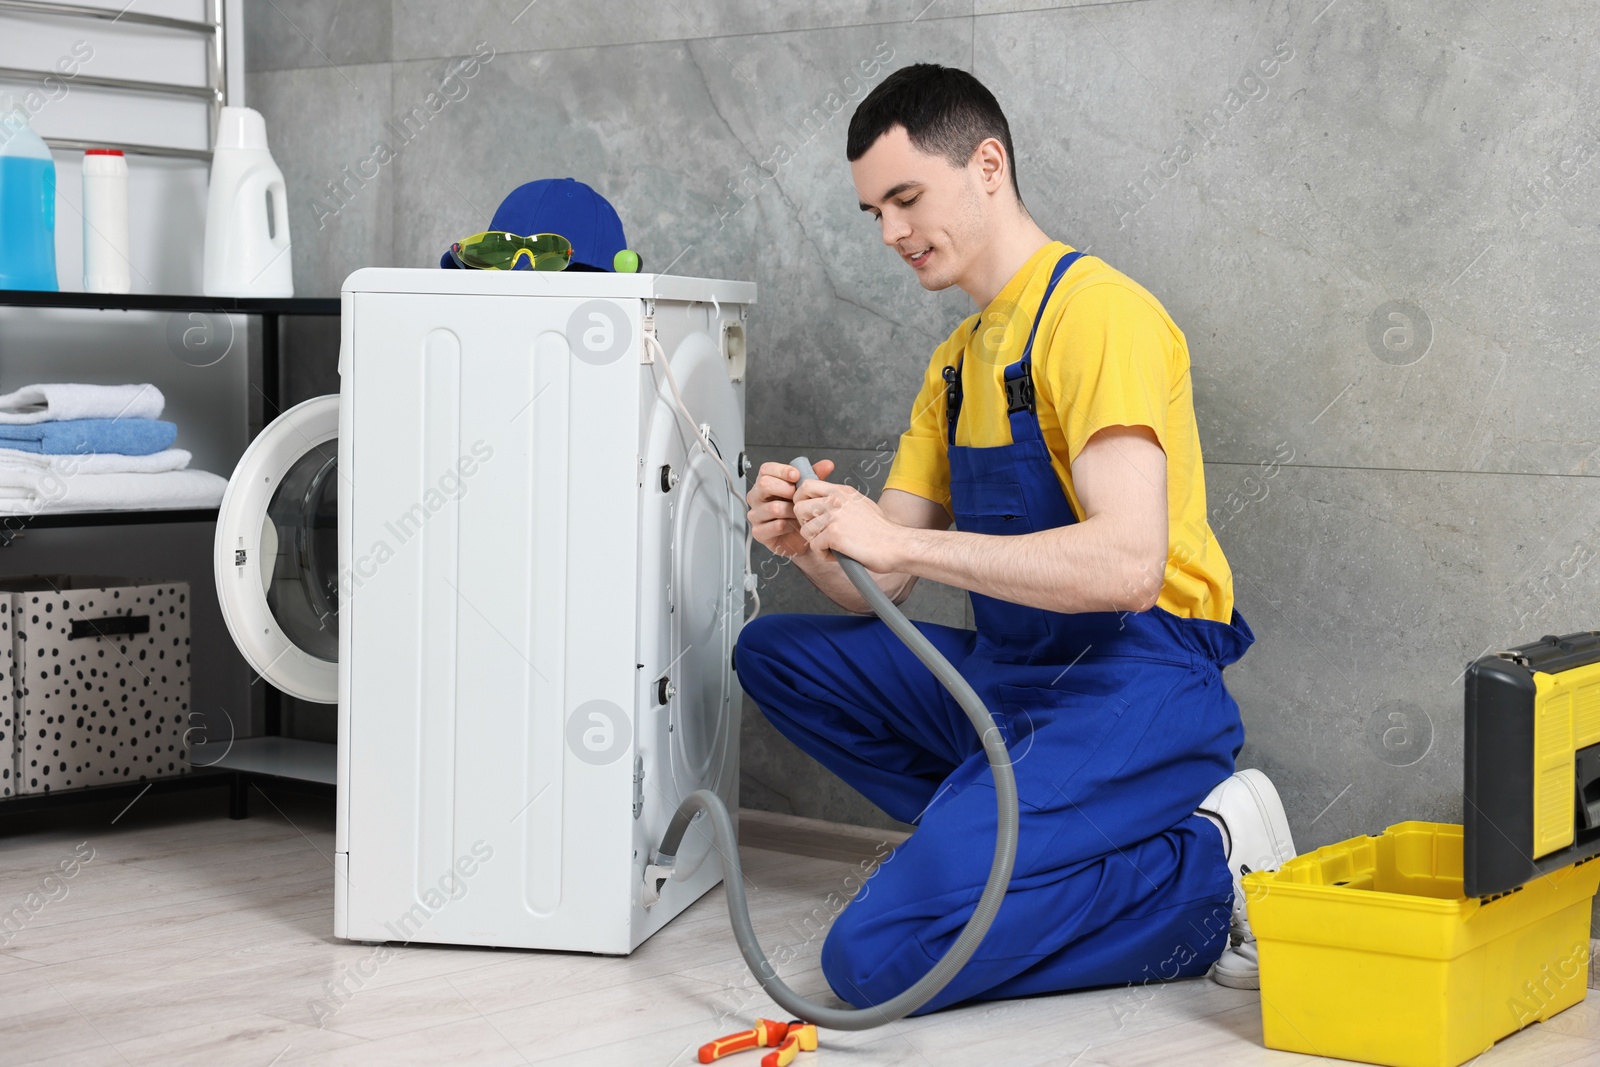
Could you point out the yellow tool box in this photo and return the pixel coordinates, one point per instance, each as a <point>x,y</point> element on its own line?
<point>1424,945</point>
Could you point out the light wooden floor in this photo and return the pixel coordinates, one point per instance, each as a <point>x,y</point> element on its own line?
<point>189,938</point>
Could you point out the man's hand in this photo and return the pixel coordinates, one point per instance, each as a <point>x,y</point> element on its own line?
<point>839,517</point>
<point>857,532</point>
<point>771,500</point>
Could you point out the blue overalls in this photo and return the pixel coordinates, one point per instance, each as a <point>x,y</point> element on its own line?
<point>1118,723</point>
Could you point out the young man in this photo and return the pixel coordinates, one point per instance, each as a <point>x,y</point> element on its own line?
<point>1056,429</point>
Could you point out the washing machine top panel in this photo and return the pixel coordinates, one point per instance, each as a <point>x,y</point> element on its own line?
<point>547,283</point>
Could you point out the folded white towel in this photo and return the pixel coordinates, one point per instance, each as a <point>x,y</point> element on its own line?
<point>57,492</point>
<point>17,467</point>
<point>52,403</point>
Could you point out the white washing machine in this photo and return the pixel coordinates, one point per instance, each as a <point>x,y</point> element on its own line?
<point>507,557</point>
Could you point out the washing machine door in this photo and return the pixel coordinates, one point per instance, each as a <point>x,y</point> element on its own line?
<point>277,553</point>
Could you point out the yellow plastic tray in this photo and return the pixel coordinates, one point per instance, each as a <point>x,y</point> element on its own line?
<point>1370,952</point>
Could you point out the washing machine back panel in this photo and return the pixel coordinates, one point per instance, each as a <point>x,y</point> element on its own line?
<point>691,566</point>
<point>489,516</point>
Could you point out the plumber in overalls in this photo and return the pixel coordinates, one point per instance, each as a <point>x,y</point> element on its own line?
<point>1055,430</point>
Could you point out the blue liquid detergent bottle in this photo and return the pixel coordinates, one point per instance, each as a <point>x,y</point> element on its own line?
<point>27,204</point>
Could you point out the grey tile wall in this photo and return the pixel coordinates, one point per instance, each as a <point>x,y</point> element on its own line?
<point>322,126</point>
<point>1369,591</point>
<point>1375,220</point>
<point>424,28</point>
<point>289,34</point>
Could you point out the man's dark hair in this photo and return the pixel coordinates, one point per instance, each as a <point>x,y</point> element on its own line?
<point>946,112</point>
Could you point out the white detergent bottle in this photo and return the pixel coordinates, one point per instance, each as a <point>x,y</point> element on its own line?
<point>106,267</point>
<point>247,213</point>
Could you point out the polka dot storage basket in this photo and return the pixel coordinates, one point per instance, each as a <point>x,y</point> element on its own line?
<point>99,680</point>
<point>9,744</point>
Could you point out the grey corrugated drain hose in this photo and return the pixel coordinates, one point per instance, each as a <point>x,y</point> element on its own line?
<point>994,891</point>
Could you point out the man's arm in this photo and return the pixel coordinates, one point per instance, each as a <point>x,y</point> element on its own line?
<point>1114,560</point>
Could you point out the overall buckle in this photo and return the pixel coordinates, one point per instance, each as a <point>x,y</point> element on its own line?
<point>1019,394</point>
<point>952,395</point>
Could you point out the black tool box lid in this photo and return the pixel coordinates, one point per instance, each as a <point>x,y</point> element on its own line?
<point>1531,763</point>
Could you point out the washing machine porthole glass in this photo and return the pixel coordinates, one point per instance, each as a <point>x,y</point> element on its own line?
<point>300,539</point>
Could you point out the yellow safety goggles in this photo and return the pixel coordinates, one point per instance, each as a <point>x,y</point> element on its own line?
<point>496,250</point>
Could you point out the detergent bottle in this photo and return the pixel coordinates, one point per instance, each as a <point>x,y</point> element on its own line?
<point>27,203</point>
<point>106,268</point>
<point>247,213</point>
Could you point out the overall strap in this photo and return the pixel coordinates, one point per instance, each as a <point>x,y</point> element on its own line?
<point>1019,375</point>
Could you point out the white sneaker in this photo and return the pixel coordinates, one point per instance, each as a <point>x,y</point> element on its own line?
<point>1258,839</point>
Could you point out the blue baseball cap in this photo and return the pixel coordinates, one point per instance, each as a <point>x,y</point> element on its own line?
<point>562,206</point>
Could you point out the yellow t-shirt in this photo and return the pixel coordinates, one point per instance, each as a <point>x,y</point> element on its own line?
<point>1107,354</point>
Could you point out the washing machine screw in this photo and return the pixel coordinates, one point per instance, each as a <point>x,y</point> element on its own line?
<point>744,464</point>
<point>669,477</point>
<point>665,691</point>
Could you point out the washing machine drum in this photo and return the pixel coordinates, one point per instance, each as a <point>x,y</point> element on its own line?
<point>277,553</point>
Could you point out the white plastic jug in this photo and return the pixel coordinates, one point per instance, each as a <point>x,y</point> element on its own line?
<point>247,214</point>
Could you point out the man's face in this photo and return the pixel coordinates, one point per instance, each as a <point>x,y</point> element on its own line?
<point>930,212</point>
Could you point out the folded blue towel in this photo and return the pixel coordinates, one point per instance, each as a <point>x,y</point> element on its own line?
<point>85,437</point>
